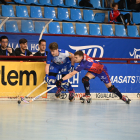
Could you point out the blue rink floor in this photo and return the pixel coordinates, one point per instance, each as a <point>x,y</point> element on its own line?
<point>64,120</point>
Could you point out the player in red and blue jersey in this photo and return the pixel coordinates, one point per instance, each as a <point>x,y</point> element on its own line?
<point>95,69</point>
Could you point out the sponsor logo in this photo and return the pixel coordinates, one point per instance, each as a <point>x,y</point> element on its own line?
<point>103,77</point>
<point>13,77</point>
<point>106,95</point>
<point>90,48</point>
<point>135,54</point>
<point>79,95</point>
<point>125,79</point>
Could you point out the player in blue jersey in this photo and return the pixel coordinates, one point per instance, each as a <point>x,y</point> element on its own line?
<point>95,69</point>
<point>58,60</point>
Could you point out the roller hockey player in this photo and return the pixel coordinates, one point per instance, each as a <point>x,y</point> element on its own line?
<point>58,60</point>
<point>95,69</point>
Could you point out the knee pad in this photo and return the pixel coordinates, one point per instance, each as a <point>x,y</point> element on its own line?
<point>112,89</point>
<point>85,80</point>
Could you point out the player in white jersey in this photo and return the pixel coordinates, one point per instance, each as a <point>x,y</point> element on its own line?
<point>58,60</point>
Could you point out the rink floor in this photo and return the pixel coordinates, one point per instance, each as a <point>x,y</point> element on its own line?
<point>64,120</point>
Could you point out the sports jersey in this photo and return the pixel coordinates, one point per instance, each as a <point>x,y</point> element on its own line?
<point>114,14</point>
<point>62,58</point>
<point>89,64</point>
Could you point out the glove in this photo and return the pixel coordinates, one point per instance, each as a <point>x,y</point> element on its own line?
<point>46,78</point>
<point>59,82</point>
<point>52,80</point>
<point>71,69</point>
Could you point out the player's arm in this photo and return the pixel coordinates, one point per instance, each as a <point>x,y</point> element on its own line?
<point>48,61</point>
<point>47,68</point>
<point>71,56</point>
<point>68,76</point>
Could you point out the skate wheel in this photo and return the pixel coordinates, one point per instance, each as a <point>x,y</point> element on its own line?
<point>57,96</point>
<point>19,101</point>
<point>88,101</point>
<point>82,101</point>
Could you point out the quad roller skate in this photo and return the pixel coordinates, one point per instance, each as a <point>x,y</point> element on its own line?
<point>126,99</point>
<point>58,92</point>
<point>86,98</point>
<point>72,95</point>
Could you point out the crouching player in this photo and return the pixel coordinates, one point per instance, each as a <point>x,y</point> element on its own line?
<point>58,61</point>
<point>94,69</point>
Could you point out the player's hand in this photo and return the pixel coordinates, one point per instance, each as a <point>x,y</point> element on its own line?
<point>59,82</point>
<point>71,69</point>
<point>46,78</point>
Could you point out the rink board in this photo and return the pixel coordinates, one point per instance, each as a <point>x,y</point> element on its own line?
<point>95,96</point>
<point>20,78</point>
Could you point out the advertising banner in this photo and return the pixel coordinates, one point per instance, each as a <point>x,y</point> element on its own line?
<point>20,78</point>
<point>94,47</point>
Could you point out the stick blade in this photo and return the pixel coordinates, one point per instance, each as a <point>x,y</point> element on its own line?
<point>22,99</point>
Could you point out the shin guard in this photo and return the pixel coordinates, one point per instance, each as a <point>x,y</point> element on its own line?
<point>115,90</point>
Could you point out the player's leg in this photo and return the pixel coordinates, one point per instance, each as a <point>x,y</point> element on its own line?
<point>85,81</point>
<point>111,88</point>
<point>65,70</point>
<point>70,88</point>
<point>53,71</point>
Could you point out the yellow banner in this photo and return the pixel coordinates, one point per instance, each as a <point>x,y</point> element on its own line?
<point>20,78</point>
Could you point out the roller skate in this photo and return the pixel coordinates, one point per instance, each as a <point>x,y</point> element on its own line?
<point>86,97</point>
<point>72,95</point>
<point>126,99</point>
<point>58,92</point>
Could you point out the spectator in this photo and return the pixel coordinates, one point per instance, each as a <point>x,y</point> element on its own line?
<point>4,49</point>
<point>134,4</point>
<point>23,51</point>
<point>116,16</point>
<point>42,48</point>
<point>85,3</point>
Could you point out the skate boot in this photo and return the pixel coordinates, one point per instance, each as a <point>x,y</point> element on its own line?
<point>86,97</point>
<point>58,92</point>
<point>126,99</point>
<point>72,95</point>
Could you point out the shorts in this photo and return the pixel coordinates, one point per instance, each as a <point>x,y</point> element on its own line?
<point>63,69</point>
<point>102,76</point>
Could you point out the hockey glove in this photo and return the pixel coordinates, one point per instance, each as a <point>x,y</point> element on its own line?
<point>59,82</point>
<point>46,78</point>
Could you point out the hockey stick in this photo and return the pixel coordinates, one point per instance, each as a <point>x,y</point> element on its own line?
<point>37,96</point>
<point>32,91</point>
<point>44,82</point>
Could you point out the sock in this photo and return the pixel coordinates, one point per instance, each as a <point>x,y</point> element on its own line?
<point>115,90</point>
<point>69,87</point>
<point>87,88</point>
